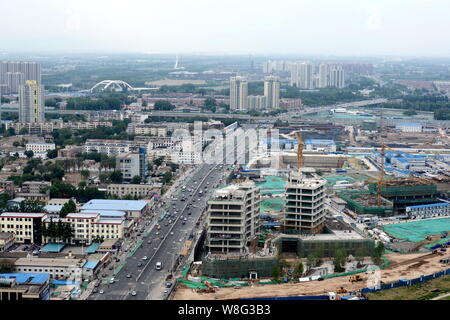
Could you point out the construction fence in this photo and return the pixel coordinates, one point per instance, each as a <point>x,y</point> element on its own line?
<point>407,282</point>
<point>239,268</point>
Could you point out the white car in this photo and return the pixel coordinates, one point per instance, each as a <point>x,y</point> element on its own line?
<point>144,258</point>
<point>133,293</point>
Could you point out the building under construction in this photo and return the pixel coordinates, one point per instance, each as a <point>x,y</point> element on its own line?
<point>366,202</point>
<point>406,192</point>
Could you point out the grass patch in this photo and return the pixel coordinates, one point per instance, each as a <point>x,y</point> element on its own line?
<point>420,291</point>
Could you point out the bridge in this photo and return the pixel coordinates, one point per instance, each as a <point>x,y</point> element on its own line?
<point>117,86</point>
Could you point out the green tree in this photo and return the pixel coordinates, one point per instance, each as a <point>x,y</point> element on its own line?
<point>29,154</point>
<point>299,270</point>
<point>85,174</point>
<point>136,180</point>
<point>339,259</point>
<point>158,161</point>
<point>116,177</point>
<point>163,105</point>
<point>276,273</point>
<point>378,252</point>
<point>68,207</point>
<point>167,178</point>
<point>311,261</point>
<point>52,154</point>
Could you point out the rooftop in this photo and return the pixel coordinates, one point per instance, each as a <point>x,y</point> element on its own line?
<point>432,205</point>
<point>51,262</point>
<point>27,278</point>
<point>115,205</point>
<point>105,213</point>
<point>22,215</point>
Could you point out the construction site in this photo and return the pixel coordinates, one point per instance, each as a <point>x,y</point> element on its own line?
<point>293,226</point>
<point>397,266</point>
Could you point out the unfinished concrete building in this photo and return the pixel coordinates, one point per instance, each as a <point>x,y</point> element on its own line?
<point>232,218</point>
<point>304,210</point>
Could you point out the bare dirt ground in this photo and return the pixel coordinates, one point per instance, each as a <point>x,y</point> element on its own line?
<point>403,266</point>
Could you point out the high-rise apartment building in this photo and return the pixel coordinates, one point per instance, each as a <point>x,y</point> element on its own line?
<point>337,77</point>
<point>9,71</point>
<point>31,102</point>
<point>272,92</point>
<point>257,102</point>
<point>232,217</point>
<point>323,76</point>
<point>304,209</point>
<point>238,93</point>
<point>302,75</point>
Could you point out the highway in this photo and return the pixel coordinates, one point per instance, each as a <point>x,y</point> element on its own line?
<point>164,245</point>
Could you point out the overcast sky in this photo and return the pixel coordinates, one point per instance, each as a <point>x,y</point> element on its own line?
<point>323,27</point>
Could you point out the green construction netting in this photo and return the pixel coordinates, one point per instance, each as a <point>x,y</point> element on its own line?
<point>416,231</point>
<point>275,204</point>
<point>192,285</point>
<point>185,270</point>
<point>273,183</point>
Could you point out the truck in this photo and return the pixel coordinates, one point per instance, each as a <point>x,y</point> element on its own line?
<point>355,278</point>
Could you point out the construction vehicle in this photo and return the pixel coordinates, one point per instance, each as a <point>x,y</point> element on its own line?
<point>341,290</point>
<point>355,278</point>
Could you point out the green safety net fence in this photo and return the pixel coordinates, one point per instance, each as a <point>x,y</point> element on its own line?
<point>276,204</point>
<point>185,270</point>
<point>416,231</point>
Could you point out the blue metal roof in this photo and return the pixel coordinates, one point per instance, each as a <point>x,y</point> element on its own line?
<point>27,278</point>
<point>440,204</point>
<point>320,141</point>
<point>114,205</point>
<point>90,264</point>
<point>53,247</point>
<point>93,247</point>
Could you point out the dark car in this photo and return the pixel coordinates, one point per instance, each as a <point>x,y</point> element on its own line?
<point>168,284</point>
<point>139,264</point>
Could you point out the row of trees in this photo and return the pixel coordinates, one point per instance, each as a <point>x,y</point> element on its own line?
<point>437,103</point>
<point>57,231</point>
<point>340,256</point>
<point>60,189</point>
<point>66,136</point>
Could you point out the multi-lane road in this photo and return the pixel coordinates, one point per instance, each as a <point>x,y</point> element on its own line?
<point>164,245</point>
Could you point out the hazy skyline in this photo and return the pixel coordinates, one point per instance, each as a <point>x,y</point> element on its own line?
<point>323,27</point>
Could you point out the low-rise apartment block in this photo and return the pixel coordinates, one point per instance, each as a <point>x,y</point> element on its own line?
<point>136,190</point>
<point>26,227</point>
